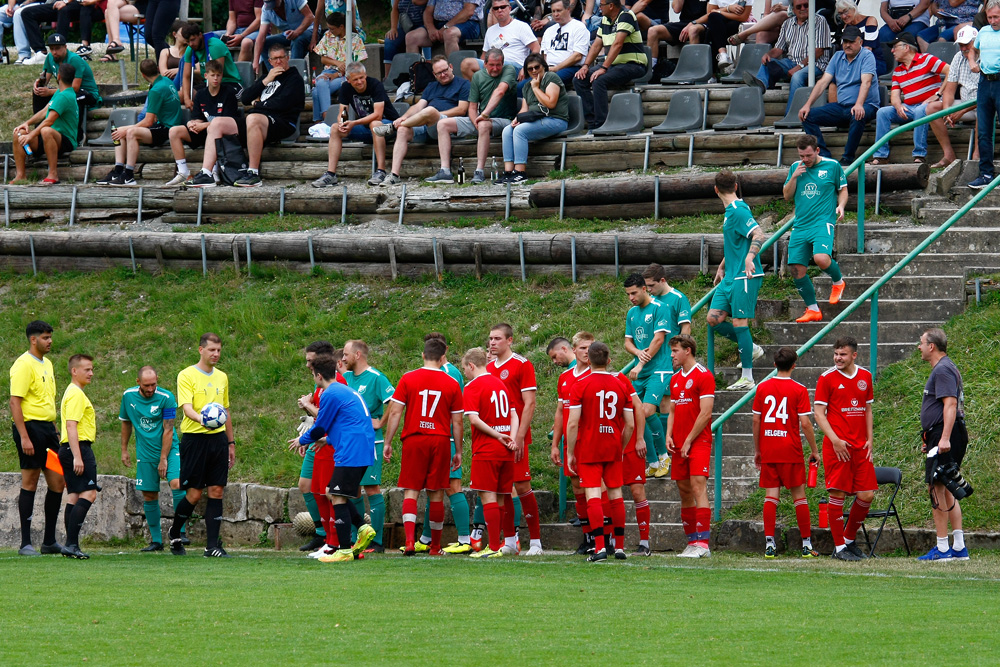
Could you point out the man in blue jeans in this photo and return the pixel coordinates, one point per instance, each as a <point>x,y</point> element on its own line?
<point>789,59</point>
<point>987,51</point>
<point>853,72</point>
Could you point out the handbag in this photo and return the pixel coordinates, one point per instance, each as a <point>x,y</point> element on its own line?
<point>530,116</point>
<point>898,12</point>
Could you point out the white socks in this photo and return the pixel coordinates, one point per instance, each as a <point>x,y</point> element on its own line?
<point>958,539</point>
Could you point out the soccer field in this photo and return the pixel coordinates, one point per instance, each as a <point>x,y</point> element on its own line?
<point>266,608</point>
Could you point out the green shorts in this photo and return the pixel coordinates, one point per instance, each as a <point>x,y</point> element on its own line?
<point>307,464</point>
<point>652,388</point>
<point>808,242</point>
<point>147,474</point>
<point>454,474</point>
<point>737,297</point>
<point>373,473</point>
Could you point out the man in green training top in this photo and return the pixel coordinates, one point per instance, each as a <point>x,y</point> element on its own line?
<point>150,410</point>
<point>818,186</point>
<point>647,328</point>
<point>52,131</point>
<point>738,278</point>
<point>375,390</point>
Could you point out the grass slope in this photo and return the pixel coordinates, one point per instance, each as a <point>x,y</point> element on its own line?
<point>264,608</point>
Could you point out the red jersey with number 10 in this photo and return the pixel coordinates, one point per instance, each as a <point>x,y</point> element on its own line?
<point>431,397</point>
<point>686,392</point>
<point>567,379</point>
<point>519,375</point>
<point>846,399</point>
<point>780,402</point>
<point>602,402</point>
<point>487,397</point>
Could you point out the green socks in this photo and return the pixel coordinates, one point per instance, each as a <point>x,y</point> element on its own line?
<point>658,433</point>
<point>152,511</point>
<point>727,330</point>
<point>178,496</point>
<point>745,342</point>
<point>460,514</point>
<point>834,271</point>
<point>377,505</point>
<point>478,518</point>
<point>313,511</point>
<point>804,285</point>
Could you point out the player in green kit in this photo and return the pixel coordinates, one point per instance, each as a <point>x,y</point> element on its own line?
<point>375,390</point>
<point>818,186</point>
<point>647,327</point>
<point>738,278</point>
<point>149,411</point>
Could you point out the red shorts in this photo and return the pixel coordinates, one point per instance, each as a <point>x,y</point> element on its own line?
<point>425,462</point>
<point>522,468</point>
<point>852,476</point>
<point>492,476</point>
<point>592,474</point>
<point>633,467</point>
<point>322,471</point>
<point>788,475</point>
<point>697,463</point>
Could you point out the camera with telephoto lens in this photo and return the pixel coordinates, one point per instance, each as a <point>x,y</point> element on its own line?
<point>949,475</point>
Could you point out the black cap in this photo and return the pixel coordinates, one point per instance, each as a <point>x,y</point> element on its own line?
<point>55,39</point>
<point>851,33</point>
<point>905,38</point>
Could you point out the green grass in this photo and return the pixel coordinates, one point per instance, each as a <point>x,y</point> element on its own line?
<point>267,608</point>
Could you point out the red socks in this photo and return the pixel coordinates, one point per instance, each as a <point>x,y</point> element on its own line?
<point>409,521</point>
<point>581,512</point>
<point>770,515</point>
<point>642,517</point>
<point>703,526</point>
<point>491,513</point>
<point>437,524</point>
<point>596,516</point>
<point>802,518</point>
<point>618,521</point>
<point>687,520</point>
<point>835,513</point>
<point>529,507</point>
<point>508,516</point>
<point>859,510</point>
<point>325,513</point>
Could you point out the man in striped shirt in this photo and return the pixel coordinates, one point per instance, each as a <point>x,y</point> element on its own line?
<point>916,81</point>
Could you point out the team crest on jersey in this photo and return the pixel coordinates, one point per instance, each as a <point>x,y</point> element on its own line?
<point>689,383</point>
<point>649,317</point>
<point>822,173</point>
<point>503,374</point>
<point>862,385</point>
<point>854,402</point>
<point>362,388</point>
<point>153,410</point>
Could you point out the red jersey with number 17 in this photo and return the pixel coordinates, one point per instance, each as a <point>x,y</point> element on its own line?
<point>567,379</point>
<point>431,398</point>
<point>780,401</point>
<point>846,398</point>
<point>519,375</point>
<point>487,397</point>
<point>686,392</point>
<point>602,402</point>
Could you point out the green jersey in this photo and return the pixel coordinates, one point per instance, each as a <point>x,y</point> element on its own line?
<point>641,325</point>
<point>162,102</point>
<point>679,312</point>
<point>146,416</point>
<point>82,71</point>
<point>216,49</point>
<point>64,105</point>
<point>736,230</point>
<point>452,370</point>
<point>375,390</point>
<point>816,194</point>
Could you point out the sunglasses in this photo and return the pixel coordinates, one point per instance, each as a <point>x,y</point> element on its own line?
<point>801,6</point>
<point>497,8</point>
<point>535,68</point>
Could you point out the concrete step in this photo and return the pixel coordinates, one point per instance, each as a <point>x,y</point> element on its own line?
<point>823,354</point>
<point>933,310</point>
<point>899,330</point>
<point>734,489</point>
<point>980,216</point>
<point>932,263</point>
<point>955,240</point>
<point>900,287</point>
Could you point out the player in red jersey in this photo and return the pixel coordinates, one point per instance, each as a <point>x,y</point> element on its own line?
<point>780,407</point>
<point>689,441</point>
<point>433,404</point>
<point>600,424</point>
<point>634,466</point>
<point>493,420</point>
<point>519,375</point>
<point>564,385</point>
<point>844,398</point>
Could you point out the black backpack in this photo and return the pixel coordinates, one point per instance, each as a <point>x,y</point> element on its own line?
<point>230,158</point>
<point>421,74</point>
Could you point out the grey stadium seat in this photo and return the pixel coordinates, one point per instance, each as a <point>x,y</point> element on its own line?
<point>746,110</point>
<point>245,68</point>
<point>791,119</point>
<point>693,66</point>
<point>119,118</point>
<point>624,116</point>
<point>456,60</point>
<point>577,123</point>
<point>943,50</point>
<point>400,65</point>
<point>302,65</point>
<point>749,61</point>
<point>684,114</point>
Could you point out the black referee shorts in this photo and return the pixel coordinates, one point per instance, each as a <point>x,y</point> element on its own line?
<point>87,480</point>
<point>959,443</point>
<point>204,460</point>
<point>43,436</point>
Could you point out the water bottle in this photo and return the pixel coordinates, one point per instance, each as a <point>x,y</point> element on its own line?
<point>27,149</point>
<point>824,521</point>
<point>460,173</point>
<point>114,128</point>
<point>493,168</point>
<point>813,474</point>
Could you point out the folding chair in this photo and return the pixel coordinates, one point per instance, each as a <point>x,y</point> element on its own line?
<point>884,477</point>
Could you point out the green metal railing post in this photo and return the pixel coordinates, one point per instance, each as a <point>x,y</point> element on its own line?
<point>861,209</point>
<point>710,349</point>
<point>717,505</point>
<point>562,494</point>
<point>873,337</point>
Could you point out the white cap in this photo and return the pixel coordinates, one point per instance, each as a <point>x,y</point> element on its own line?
<point>966,35</point>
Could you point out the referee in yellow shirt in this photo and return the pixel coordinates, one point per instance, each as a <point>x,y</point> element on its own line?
<point>79,430</point>
<point>206,454</point>
<point>33,413</point>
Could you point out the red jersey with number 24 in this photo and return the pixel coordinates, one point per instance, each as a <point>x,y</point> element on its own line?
<point>780,402</point>
<point>846,399</point>
<point>430,398</point>
<point>686,392</point>
<point>487,397</point>
<point>602,402</point>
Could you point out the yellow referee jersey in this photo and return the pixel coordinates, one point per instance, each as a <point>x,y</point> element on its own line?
<point>76,407</point>
<point>34,382</point>
<point>199,388</point>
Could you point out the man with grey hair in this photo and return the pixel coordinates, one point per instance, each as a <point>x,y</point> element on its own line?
<point>492,106</point>
<point>366,96</point>
<point>942,419</point>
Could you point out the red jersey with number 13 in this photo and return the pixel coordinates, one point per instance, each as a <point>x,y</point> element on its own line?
<point>846,399</point>
<point>487,397</point>
<point>519,375</point>
<point>686,392</point>
<point>430,398</point>
<point>779,402</point>
<point>603,402</point>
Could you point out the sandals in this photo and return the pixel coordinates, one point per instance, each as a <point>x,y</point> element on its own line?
<point>49,181</point>
<point>879,161</point>
<point>115,47</point>
<point>941,164</point>
<point>108,58</point>
<point>736,40</point>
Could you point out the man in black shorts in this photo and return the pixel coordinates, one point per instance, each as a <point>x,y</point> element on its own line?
<point>208,451</point>
<point>277,102</point>
<point>76,455</point>
<point>942,419</point>
<point>33,413</point>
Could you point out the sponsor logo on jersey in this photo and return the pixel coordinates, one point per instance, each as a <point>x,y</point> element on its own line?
<point>854,402</point>
<point>810,190</point>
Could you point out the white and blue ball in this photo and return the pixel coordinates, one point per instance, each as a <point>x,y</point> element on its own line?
<point>213,416</point>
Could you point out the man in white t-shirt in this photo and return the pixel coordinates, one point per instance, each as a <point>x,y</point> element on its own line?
<point>565,43</point>
<point>513,37</point>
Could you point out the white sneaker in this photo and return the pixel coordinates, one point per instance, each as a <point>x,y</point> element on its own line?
<point>509,551</point>
<point>178,179</point>
<point>689,552</point>
<point>37,59</point>
<point>533,551</point>
<point>702,552</point>
<point>742,385</point>
<point>758,352</point>
<point>325,550</point>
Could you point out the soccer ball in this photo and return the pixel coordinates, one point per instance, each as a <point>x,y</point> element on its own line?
<point>213,416</point>
<point>303,524</point>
